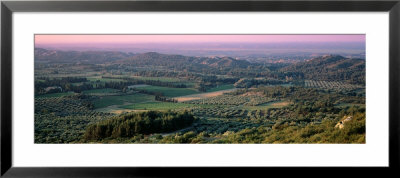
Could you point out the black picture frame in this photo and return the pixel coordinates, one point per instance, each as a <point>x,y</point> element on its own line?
<point>8,7</point>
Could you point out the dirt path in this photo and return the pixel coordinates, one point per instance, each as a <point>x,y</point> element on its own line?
<point>203,95</point>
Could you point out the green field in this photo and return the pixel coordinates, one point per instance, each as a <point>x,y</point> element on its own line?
<point>106,101</point>
<point>100,91</point>
<point>170,92</point>
<point>221,87</point>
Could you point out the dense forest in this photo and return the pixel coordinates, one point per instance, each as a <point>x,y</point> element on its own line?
<point>131,124</point>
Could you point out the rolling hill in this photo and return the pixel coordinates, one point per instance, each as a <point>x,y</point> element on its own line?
<point>326,68</point>
<point>144,59</point>
<point>157,59</point>
<point>92,57</point>
<point>329,68</point>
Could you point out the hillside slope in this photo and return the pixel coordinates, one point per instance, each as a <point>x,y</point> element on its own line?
<point>157,59</point>
<point>329,68</point>
<point>58,56</point>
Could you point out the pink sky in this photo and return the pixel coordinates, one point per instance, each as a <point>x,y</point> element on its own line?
<point>129,39</point>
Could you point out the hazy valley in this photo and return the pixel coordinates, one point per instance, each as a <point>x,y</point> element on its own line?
<point>117,96</point>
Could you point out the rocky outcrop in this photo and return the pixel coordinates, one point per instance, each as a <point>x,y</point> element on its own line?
<point>342,122</point>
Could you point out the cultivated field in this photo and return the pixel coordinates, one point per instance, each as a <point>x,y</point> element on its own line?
<point>169,92</point>
<point>106,101</point>
<point>330,85</point>
<point>251,100</point>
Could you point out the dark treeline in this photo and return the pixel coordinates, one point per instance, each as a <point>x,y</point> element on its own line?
<point>65,83</point>
<point>188,76</point>
<point>165,99</point>
<point>159,94</point>
<point>58,81</point>
<point>131,124</point>
<point>214,79</point>
<point>116,85</point>
<point>173,74</point>
<point>207,82</point>
<point>134,81</point>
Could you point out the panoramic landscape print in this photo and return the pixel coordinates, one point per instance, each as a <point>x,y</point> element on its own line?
<point>199,89</point>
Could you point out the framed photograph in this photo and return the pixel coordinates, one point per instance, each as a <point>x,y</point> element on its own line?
<point>136,88</point>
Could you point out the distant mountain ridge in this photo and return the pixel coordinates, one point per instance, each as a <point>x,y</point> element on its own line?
<point>143,59</point>
<point>325,68</point>
<point>58,56</point>
<point>153,58</point>
<point>329,68</point>
<point>328,61</point>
